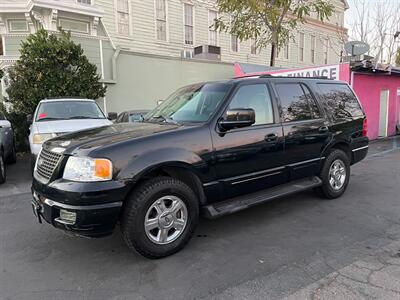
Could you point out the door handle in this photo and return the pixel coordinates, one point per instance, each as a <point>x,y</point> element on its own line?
<point>271,137</point>
<point>323,129</point>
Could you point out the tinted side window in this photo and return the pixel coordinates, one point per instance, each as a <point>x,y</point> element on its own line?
<point>297,102</point>
<point>257,97</point>
<point>313,104</point>
<point>2,117</point>
<point>339,101</point>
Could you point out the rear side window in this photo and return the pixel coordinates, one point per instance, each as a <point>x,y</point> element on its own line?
<point>297,102</point>
<point>340,101</point>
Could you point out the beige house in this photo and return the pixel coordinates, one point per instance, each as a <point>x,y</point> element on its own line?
<point>134,42</point>
<point>175,27</point>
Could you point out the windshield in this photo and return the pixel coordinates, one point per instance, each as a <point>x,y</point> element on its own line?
<point>194,103</point>
<point>68,110</point>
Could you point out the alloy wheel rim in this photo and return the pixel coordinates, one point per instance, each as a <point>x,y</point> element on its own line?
<point>165,220</point>
<point>337,174</point>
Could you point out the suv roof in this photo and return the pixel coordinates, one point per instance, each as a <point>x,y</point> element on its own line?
<point>271,77</point>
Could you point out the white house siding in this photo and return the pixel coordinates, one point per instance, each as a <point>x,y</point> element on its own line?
<point>142,37</point>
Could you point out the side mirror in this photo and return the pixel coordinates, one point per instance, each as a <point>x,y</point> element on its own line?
<point>29,119</point>
<point>237,118</point>
<point>5,124</point>
<point>112,116</point>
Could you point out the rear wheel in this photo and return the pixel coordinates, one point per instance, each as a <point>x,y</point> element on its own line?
<point>3,168</point>
<point>160,217</point>
<point>335,175</point>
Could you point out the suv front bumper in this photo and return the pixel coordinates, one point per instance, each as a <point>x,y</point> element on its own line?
<point>91,220</point>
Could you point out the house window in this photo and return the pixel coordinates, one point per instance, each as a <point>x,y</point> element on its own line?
<point>17,25</point>
<point>123,16</point>
<point>188,24</point>
<point>253,46</point>
<point>212,32</point>
<point>286,50</point>
<point>326,47</point>
<point>313,49</point>
<point>1,47</point>
<point>301,46</point>
<point>161,20</point>
<point>88,2</point>
<point>234,43</point>
<point>74,25</point>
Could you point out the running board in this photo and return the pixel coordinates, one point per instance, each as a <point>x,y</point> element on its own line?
<point>236,204</point>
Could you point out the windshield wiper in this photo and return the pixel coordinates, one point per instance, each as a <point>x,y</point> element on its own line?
<point>47,119</point>
<point>83,117</point>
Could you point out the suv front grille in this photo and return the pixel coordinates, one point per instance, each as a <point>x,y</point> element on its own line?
<point>47,163</point>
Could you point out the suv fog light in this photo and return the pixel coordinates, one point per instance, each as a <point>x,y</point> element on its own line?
<point>68,217</point>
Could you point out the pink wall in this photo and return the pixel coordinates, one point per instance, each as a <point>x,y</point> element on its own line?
<point>368,88</point>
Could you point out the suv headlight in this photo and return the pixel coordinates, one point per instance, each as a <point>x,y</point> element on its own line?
<point>86,169</point>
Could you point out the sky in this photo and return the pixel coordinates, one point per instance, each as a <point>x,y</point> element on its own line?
<point>371,3</point>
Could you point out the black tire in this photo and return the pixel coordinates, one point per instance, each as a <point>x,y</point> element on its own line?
<point>326,190</point>
<point>3,168</point>
<point>12,159</point>
<point>139,202</point>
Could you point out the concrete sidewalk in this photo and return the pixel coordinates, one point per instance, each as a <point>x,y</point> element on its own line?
<point>375,276</point>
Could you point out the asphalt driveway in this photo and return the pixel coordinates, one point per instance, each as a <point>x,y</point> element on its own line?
<point>270,251</point>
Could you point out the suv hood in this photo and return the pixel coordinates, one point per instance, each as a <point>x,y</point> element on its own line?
<point>63,126</point>
<point>106,135</point>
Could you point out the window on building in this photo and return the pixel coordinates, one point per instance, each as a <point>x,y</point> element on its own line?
<point>234,43</point>
<point>312,49</point>
<point>189,32</point>
<point>297,102</point>
<point>326,49</point>
<point>286,50</point>
<point>212,32</point>
<point>1,47</point>
<point>253,46</point>
<point>88,2</point>
<point>338,18</point>
<point>301,46</point>
<point>161,20</point>
<point>74,25</point>
<point>257,97</point>
<point>123,16</point>
<point>17,25</point>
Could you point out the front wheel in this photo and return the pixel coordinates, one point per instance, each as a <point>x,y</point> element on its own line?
<point>160,217</point>
<point>335,175</point>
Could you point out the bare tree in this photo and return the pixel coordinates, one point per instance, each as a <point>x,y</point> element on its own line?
<point>376,25</point>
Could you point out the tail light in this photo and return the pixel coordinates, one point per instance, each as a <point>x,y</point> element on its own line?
<point>365,127</point>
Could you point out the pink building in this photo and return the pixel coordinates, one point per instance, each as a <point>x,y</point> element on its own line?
<point>377,88</point>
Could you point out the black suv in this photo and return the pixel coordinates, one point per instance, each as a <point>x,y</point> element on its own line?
<point>214,148</point>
